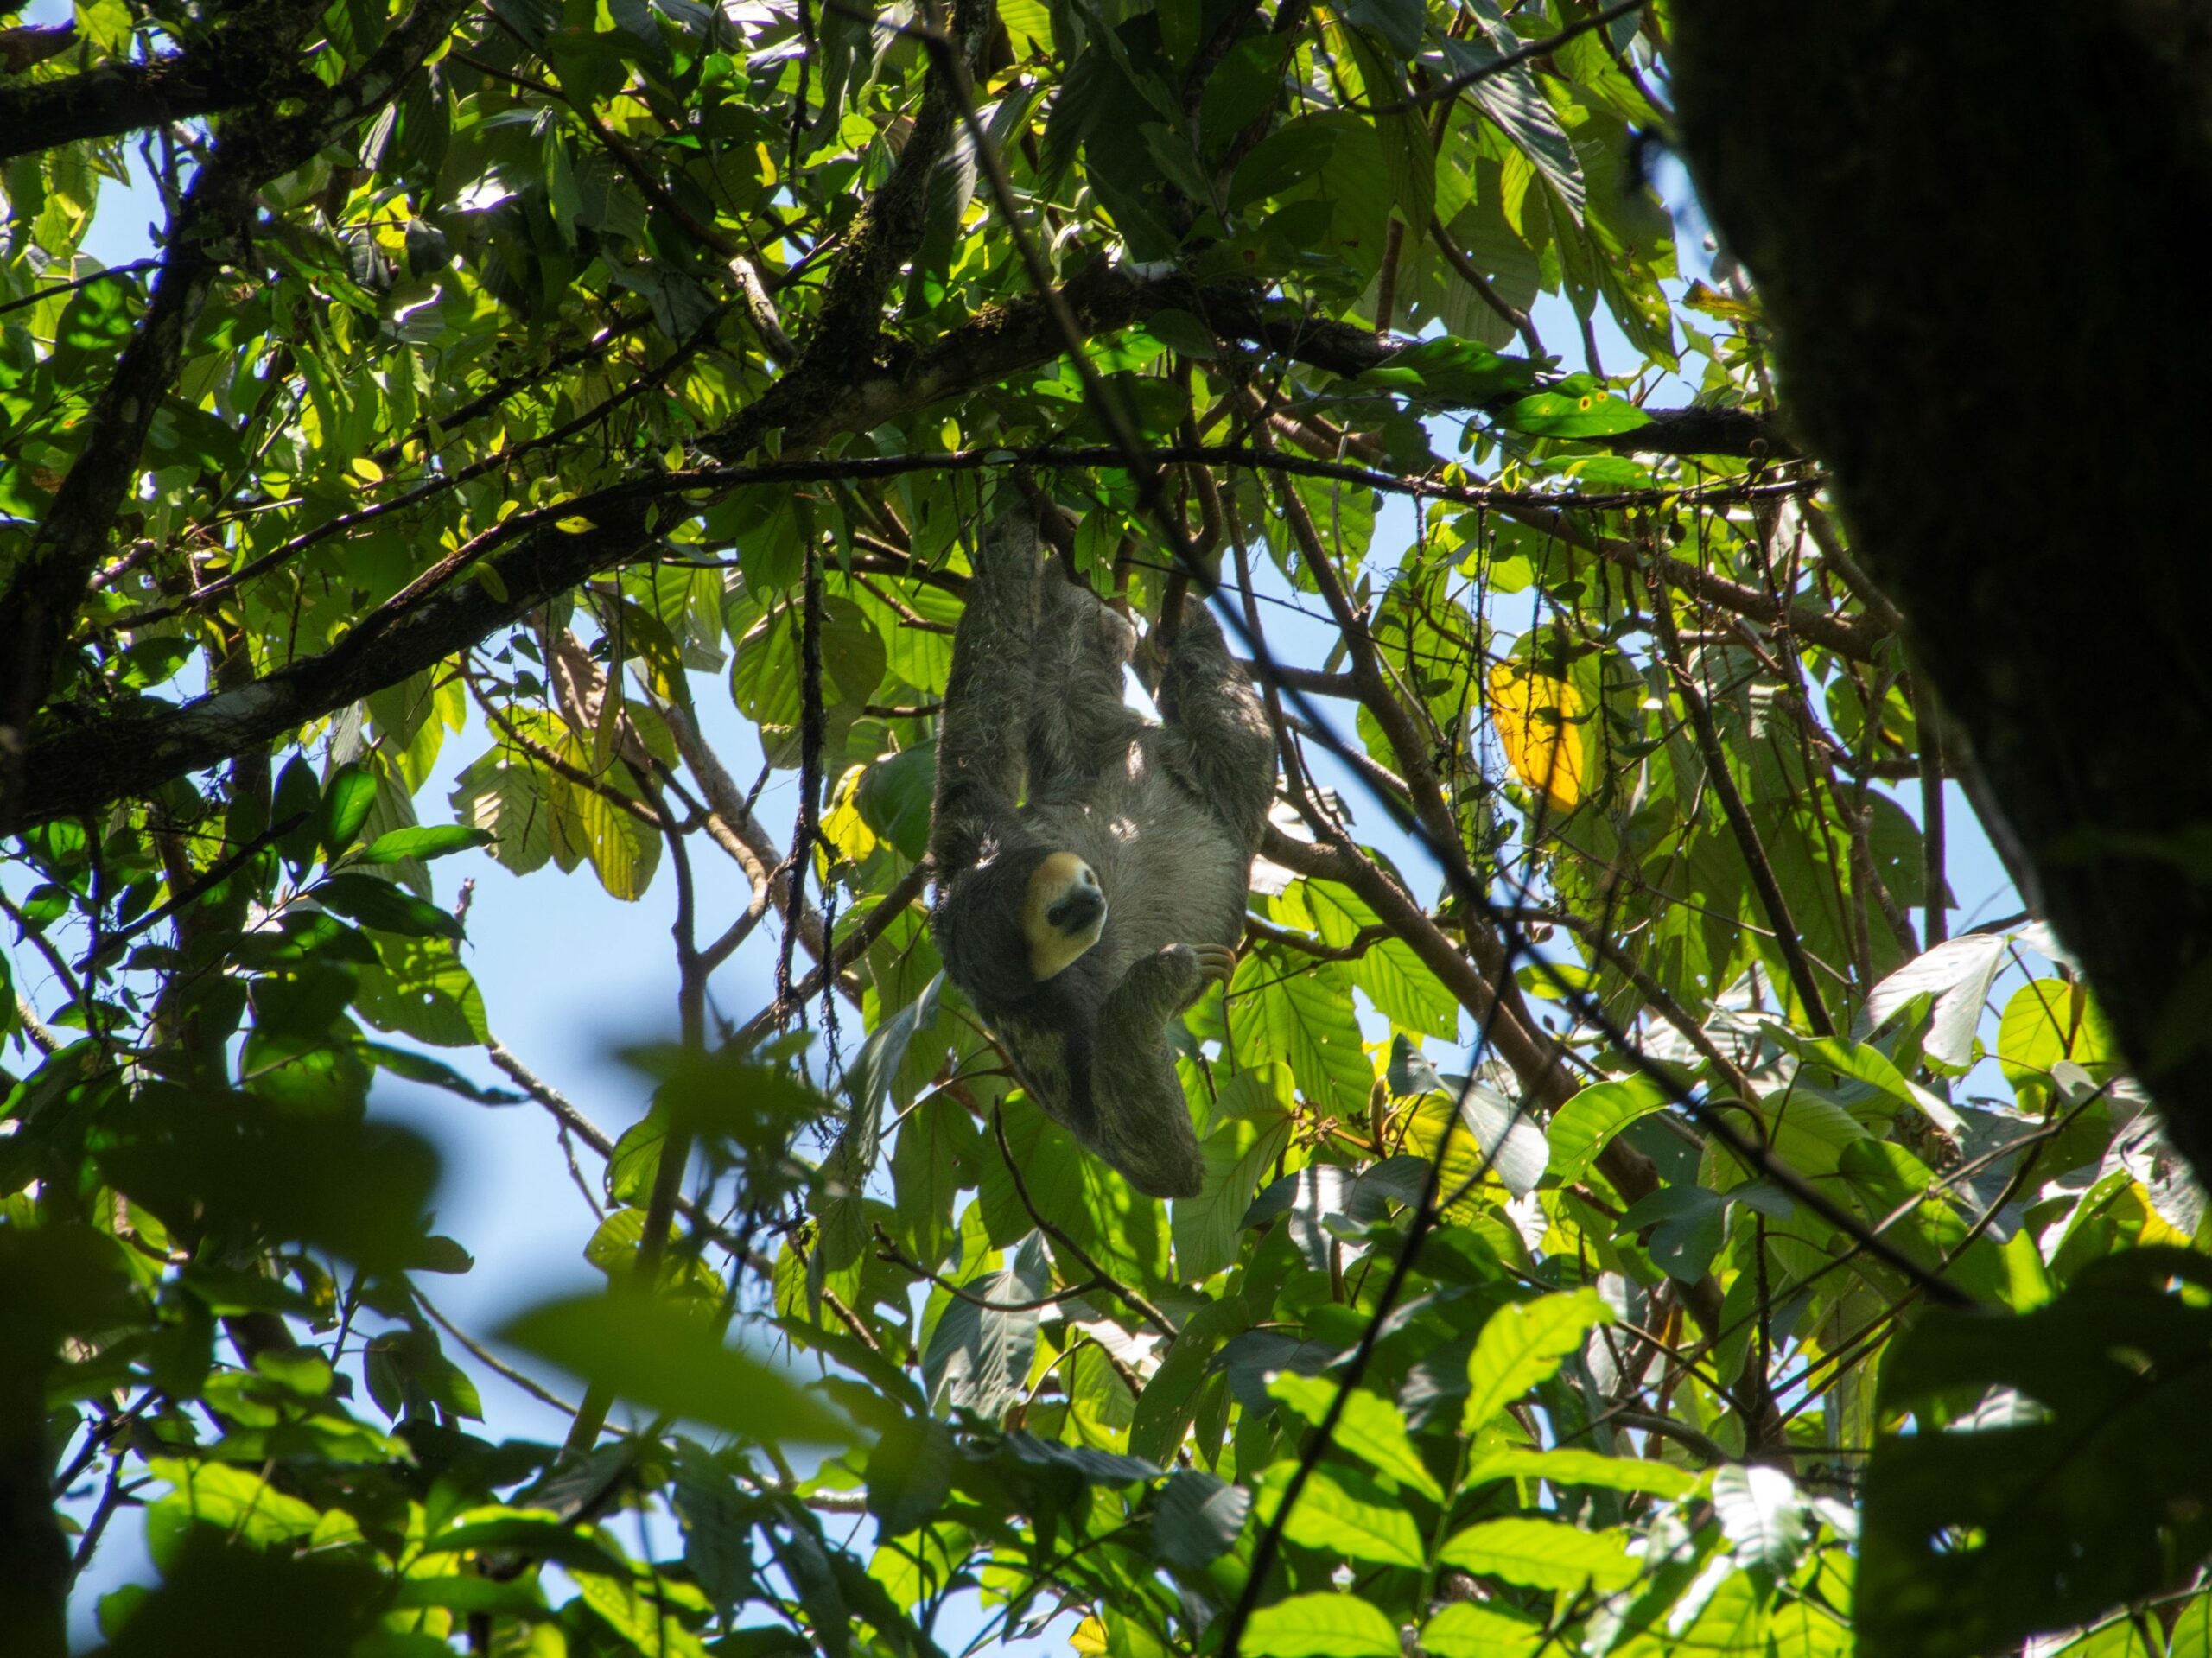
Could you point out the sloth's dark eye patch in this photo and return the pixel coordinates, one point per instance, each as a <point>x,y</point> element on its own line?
<point>1078,909</point>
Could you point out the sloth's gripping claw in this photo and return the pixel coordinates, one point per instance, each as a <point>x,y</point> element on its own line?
<point>1216,963</point>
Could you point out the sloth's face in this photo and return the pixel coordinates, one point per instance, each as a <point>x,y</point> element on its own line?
<point>1062,913</point>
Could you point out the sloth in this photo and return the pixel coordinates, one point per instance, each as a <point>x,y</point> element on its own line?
<point>1080,916</point>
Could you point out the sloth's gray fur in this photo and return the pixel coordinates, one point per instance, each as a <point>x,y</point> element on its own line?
<point>1167,816</point>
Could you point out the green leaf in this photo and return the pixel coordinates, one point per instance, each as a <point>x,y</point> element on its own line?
<point>234,1500</point>
<point>435,1073</point>
<point>893,798</point>
<point>380,905</point>
<point>1343,1513</point>
<point>1236,1155</point>
<point>636,1162</point>
<point>503,795</point>
<point>1514,102</point>
<point>1543,1554</point>
<point>1393,978</point>
<point>637,1605</point>
<point>624,851</point>
<point>1180,331</point>
<point>1370,1428</point>
<point>433,840</point>
<point>298,795</point>
<point>1586,414</point>
<point>1320,1626</point>
<point>1687,1226</point>
<point>97,319</point>
<point>1094,1466</point>
<point>1307,1013</point>
<point>1170,1399</point>
<point>1957,972</point>
<point>539,1534</point>
<point>418,987</point>
<point>458,1591</point>
<point>910,1473</point>
<point>1587,1124</point>
<point>643,1349</point>
<point>767,674</point>
<point>1571,1466</point>
<point>1467,1629</point>
<point>1523,1344</point>
<point>1197,1519</point>
<point>347,797</point>
<point>1881,1089</point>
<point>277,1171</point>
<point>931,1160</point>
<point>1401,22</point>
<point>1028,23</point>
<point>978,1357</point>
<point>2076,1489</point>
<point>1760,1510</point>
<point>2049,1022</point>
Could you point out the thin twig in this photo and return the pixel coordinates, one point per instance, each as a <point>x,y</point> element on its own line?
<point>1771,901</point>
<point>1520,323</point>
<point>491,1361</point>
<point>1151,1314</point>
<point>551,1098</point>
<point>888,1251</point>
<point>856,942</point>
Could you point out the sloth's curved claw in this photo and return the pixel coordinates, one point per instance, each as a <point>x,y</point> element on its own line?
<point>1216,963</point>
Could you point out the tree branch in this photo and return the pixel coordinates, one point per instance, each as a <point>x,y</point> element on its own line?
<point>241,62</point>
<point>531,560</point>
<point>210,231</point>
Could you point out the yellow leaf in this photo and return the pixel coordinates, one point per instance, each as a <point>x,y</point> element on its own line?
<point>844,825</point>
<point>1535,718</point>
<point>574,524</point>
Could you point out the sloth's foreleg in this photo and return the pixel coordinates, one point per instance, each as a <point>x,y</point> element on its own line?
<point>1143,1121</point>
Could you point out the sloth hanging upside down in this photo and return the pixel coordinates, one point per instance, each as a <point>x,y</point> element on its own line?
<point>1079,919</point>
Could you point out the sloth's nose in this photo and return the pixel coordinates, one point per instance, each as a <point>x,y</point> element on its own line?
<point>1083,907</point>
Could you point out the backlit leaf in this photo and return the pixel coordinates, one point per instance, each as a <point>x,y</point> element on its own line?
<point>1535,718</point>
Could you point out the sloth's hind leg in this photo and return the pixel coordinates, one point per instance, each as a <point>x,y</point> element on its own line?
<point>1078,724</point>
<point>1211,708</point>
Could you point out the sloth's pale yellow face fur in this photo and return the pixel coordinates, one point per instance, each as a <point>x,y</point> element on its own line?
<point>1064,914</point>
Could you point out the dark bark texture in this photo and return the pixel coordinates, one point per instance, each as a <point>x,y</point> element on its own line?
<point>1980,236</point>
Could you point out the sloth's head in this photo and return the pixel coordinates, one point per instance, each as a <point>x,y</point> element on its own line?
<point>1017,921</point>
<point>1063,912</point>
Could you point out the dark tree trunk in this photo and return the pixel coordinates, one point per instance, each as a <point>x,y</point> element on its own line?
<point>1980,235</point>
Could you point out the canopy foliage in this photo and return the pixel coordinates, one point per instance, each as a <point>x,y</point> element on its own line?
<point>1632,1222</point>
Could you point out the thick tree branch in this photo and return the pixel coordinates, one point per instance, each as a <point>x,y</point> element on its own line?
<point>1002,341</point>
<point>531,560</point>
<point>240,62</point>
<point>39,606</point>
